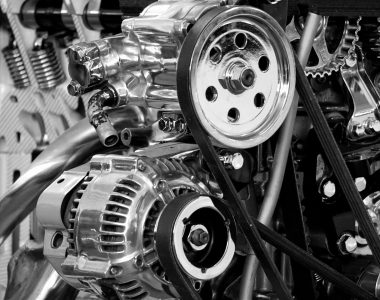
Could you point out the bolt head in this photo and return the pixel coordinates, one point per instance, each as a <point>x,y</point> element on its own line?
<point>237,161</point>
<point>141,166</point>
<point>74,88</point>
<point>374,126</point>
<point>350,244</point>
<point>360,183</point>
<point>329,189</point>
<point>359,130</point>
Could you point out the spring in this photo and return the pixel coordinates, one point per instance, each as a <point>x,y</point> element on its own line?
<point>46,66</point>
<point>370,38</point>
<point>16,66</point>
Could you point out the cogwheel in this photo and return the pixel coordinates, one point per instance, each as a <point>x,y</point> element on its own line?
<point>325,62</point>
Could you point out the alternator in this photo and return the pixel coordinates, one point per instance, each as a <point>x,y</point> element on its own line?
<point>100,227</point>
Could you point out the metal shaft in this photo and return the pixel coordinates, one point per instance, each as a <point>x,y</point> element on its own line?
<point>280,157</point>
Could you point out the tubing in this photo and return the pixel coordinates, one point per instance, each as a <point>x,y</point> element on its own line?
<point>72,148</point>
<point>280,158</point>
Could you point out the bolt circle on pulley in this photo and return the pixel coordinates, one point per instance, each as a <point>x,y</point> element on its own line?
<point>236,67</point>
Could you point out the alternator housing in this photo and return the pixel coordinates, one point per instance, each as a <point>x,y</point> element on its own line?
<point>100,224</point>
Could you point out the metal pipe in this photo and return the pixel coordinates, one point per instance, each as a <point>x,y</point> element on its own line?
<point>98,117</point>
<point>72,148</point>
<point>280,158</point>
<point>31,277</point>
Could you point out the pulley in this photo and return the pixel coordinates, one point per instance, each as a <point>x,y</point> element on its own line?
<point>241,75</point>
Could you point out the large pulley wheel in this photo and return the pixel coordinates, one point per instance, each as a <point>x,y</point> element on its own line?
<point>236,73</point>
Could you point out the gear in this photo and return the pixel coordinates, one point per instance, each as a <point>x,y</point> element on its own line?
<point>327,60</point>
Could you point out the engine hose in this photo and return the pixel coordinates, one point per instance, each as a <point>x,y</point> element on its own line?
<point>280,158</point>
<point>71,149</point>
<point>98,117</point>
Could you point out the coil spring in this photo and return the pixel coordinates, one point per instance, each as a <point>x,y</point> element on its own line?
<point>46,66</point>
<point>370,38</point>
<point>16,66</point>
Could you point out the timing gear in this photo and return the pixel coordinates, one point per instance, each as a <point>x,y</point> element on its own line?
<point>102,233</point>
<point>330,52</point>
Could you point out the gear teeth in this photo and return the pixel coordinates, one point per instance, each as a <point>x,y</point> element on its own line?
<point>343,51</point>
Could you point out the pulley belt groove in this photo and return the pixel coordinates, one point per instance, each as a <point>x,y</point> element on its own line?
<point>336,160</point>
<point>166,252</point>
<point>212,159</point>
<point>307,260</point>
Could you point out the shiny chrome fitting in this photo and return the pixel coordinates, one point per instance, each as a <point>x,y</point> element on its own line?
<point>232,161</point>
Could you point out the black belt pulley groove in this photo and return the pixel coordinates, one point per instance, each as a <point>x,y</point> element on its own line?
<point>212,159</point>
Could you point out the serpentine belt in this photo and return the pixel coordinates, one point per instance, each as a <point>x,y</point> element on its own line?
<point>337,162</point>
<point>212,159</point>
<point>166,252</point>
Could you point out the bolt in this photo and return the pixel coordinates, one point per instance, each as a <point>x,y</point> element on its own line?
<point>329,189</point>
<point>373,126</point>
<point>347,243</point>
<point>141,166</point>
<point>350,244</point>
<point>360,183</point>
<point>161,185</point>
<point>164,124</point>
<point>114,270</point>
<point>359,130</point>
<point>199,237</point>
<point>74,88</point>
<point>238,77</point>
<point>232,161</point>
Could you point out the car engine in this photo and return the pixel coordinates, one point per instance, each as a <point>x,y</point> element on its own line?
<point>218,150</point>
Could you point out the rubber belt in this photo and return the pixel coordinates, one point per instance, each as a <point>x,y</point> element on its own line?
<point>230,194</point>
<point>336,160</point>
<point>309,261</point>
<point>166,252</point>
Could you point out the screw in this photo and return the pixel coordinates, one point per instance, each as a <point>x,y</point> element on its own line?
<point>360,183</point>
<point>329,189</point>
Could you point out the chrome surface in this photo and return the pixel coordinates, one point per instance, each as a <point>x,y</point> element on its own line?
<point>140,64</point>
<point>364,121</point>
<point>16,66</point>
<point>202,203</point>
<point>242,77</point>
<point>116,204</point>
<point>327,61</point>
<point>45,63</point>
<point>75,146</point>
